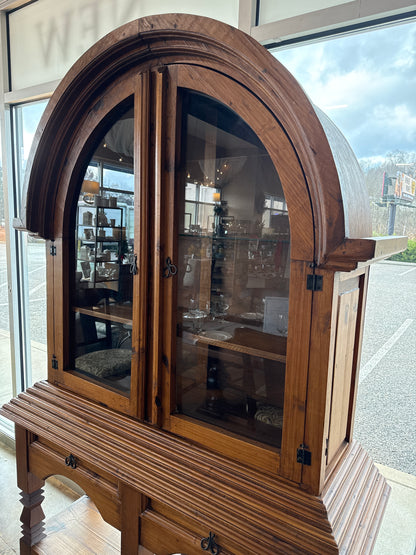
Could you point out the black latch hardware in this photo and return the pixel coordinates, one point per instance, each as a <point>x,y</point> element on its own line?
<point>314,282</point>
<point>54,362</point>
<point>71,461</point>
<point>170,269</point>
<point>52,250</point>
<point>303,456</point>
<point>208,544</point>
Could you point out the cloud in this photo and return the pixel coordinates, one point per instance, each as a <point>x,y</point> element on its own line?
<point>372,76</point>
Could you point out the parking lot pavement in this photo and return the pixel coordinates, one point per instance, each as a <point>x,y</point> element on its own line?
<point>386,404</point>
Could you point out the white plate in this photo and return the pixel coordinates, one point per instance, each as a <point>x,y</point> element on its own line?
<point>252,316</point>
<point>217,335</point>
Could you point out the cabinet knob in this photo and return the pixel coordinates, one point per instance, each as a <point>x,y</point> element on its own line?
<point>71,461</point>
<point>208,544</point>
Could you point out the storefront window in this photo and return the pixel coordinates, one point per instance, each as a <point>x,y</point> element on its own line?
<point>31,257</point>
<point>6,388</point>
<point>365,83</point>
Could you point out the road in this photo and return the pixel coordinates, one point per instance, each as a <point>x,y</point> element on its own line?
<point>386,405</point>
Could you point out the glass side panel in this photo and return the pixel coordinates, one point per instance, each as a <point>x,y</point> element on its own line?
<point>105,261</point>
<point>28,266</point>
<point>6,381</point>
<point>233,270</point>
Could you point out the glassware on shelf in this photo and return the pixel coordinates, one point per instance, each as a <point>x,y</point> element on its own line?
<point>231,363</point>
<point>195,316</point>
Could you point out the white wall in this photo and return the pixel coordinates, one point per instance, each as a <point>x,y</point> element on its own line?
<point>48,36</point>
<point>281,20</point>
<point>271,11</point>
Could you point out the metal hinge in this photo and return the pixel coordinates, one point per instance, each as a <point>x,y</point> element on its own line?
<point>54,362</point>
<point>52,250</point>
<point>314,282</point>
<point>303,455</point>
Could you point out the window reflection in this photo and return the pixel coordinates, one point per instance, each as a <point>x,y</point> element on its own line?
<point>105,259</point>
<point>6,390</point>
<point>31,256</point>
<point>233,276</point>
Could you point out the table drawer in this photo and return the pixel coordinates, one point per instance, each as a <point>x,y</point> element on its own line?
<point>164,531</point>
<point>48,459</point>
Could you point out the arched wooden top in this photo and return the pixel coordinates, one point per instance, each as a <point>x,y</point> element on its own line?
<point>337,205</point>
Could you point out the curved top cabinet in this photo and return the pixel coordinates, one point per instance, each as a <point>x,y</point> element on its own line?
<point>336,211</point>
<point>210,240</point>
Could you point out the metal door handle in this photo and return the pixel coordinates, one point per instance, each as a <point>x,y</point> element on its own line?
<point>170,269</point>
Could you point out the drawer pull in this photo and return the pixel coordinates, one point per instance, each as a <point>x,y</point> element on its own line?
<point>208,544</point>
<point>71,461</point>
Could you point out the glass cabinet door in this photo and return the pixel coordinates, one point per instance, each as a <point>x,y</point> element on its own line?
<point>105,261</point>
<point>233,275</point>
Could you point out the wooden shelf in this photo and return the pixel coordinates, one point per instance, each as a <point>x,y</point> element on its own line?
<point>79,529</point>
<point>99,260</point>
<point>250,342</point>
<point>121,313</point>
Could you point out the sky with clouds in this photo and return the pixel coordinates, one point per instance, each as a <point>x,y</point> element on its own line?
<point>366,83</point>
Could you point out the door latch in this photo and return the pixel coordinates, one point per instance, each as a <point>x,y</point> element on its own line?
<point>170,269</point>
<point>208,544</point>
<point>303,455</point>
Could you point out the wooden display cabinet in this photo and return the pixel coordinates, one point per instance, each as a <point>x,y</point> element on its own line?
<point>209,405</point>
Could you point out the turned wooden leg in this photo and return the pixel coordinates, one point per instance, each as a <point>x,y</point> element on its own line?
<point>32,514</point>
<point>32,520</point>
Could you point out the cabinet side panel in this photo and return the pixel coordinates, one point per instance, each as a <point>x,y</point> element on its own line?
<point>343,368</point>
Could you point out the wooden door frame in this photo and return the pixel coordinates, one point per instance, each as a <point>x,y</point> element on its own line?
<point>59,266</point>
<point>255,114</point>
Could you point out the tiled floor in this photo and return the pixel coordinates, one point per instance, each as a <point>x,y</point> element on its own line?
<point>397,534</point>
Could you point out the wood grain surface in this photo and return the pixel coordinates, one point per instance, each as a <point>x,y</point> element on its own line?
<point>277,515</point>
